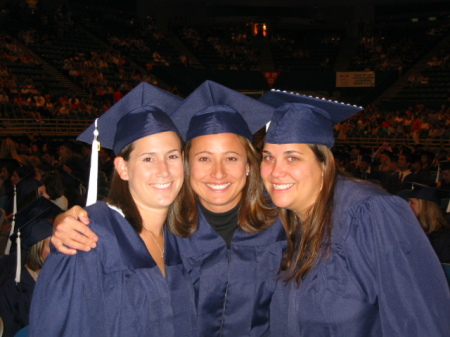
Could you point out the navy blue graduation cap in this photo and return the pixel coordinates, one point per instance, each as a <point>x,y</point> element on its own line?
<point>304,119</point>
<point>32,222</point>
<point>141,112</point>
<point>430,193</point>
<point>213,108</point>
<point>32,225</point>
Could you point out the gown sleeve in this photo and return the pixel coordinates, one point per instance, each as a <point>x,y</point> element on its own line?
<point>394,262</point>
<point>68,297</point>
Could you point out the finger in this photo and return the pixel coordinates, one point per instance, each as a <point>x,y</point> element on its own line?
<point>81,214</point>
<point>72,235</point>
<point>86,231</point>
<point>61,247</point>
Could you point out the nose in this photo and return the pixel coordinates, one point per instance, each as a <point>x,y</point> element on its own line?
<point>163,169</point>
<point>278,170</point>
<point>218,171</point>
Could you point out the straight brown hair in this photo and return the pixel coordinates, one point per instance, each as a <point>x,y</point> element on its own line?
<point>120,196</point>
<point>310,240</point>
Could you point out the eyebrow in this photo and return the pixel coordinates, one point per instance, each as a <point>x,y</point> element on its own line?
<point>153,153</point>
<point>209,152</point>
<point>285,152</point>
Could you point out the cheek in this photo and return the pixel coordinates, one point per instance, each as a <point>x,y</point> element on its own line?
<point>265,171</point>
<point>177,171</point>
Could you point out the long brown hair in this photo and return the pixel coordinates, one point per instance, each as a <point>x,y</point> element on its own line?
<point>310,240</point>
<point>431,217</point>
<point>256,212</point>
<point>120,196</point>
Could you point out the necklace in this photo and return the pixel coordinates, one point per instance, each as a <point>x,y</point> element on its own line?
<point>157,244</point>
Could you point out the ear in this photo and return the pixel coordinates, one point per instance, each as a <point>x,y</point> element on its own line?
<point>121,167</point>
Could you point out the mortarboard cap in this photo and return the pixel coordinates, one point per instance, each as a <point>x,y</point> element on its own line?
<point>141,112</point>
<point>213,108</point>
<point>304,119</point>
<point>32,221</point>
<point>429,193</point>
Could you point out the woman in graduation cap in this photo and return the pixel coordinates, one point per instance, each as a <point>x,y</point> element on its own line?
<point>235,243</point>
<point>425,203</point>
<point>357,262</point>
<point>29,253</point>
<point>134,283</point>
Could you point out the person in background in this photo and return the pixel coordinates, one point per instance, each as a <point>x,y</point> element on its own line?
<point>357,261</point>
<point>26,186</point>
<point>34,222</point>
<point>134,283</point>
<point>6,172</point>
<point>54,189</point>
<point>425,203</point>
<point>444,179</point>
<point>236,240</point>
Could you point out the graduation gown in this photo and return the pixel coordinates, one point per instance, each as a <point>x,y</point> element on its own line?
<point>233,287</point>
<point>15,299</point>
<point>440,241</point>
<point>382,278</point>
<point>113,290</point>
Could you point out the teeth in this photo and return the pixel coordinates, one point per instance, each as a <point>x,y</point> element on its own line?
<point>218,187</point>
<point>281,187</point>
<point>161,185</point>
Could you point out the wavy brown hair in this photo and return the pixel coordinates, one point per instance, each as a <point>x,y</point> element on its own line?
<point>256,211</point>
<point>431,217</point>
<point>310,240</point>
<point>120,196</point>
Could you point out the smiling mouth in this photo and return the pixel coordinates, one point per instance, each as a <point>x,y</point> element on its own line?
<point>218,187</point>
<point>281,186</point>
<point>161,186</point>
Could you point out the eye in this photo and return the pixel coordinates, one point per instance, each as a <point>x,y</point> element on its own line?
<point>267,158</point>
<point>292,159</point>
<point>203,159</point>
<point>174,156</point>
<point>232,159</point>
<point>148,159</point>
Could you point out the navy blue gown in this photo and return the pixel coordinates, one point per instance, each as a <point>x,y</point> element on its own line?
<point>233,287</point>
<point>382,278</point>
<point>113,290</point>
<point>15,299</point>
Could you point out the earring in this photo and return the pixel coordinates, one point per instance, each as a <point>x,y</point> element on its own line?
<point>247,174</point>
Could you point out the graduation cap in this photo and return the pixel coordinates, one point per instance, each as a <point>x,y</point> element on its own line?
<point>32,223</point>
<point>33,226</point>
<point>304,119</point>
<point>141,112</point>
<point>434,194</point>
<point>424,192</point>
<point>213,108</point>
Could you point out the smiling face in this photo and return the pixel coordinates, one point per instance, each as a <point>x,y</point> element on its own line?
<point>292,176</point>
<point>218,167</point>
<point>154,170</point>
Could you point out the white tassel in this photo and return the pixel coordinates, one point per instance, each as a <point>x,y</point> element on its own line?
<point>93,174</point>
<point>13,223</point>
<point>19,258</point>
<point>437,174</point>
